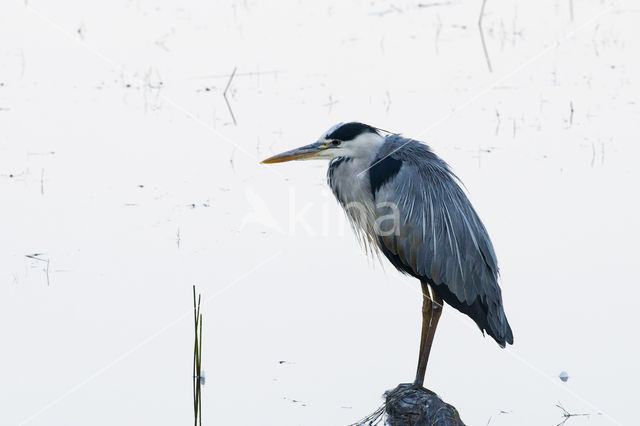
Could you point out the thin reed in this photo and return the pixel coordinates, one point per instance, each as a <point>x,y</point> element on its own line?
<point>198,380</point>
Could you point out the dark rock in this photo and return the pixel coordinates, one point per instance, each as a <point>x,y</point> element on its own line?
<point>405,406</point>
<point>418,407</point>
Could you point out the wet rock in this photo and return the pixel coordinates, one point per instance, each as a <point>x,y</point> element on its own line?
<point>418,407</point>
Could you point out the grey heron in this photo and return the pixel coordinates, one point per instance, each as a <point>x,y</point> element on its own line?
<point>405,202</point>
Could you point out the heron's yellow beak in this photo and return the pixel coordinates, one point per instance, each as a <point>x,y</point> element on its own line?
<point>306,152</point>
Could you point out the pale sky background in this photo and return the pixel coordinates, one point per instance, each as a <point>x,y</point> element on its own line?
<point>121,168</point>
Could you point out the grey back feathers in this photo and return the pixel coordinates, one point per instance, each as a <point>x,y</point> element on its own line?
<point>439,237</point>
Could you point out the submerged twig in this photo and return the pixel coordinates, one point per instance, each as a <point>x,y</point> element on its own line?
<point>330,104</point>
<point>484,44</point>
<point>45,269</point>
<point>571,113</point>
<point>437,37</point>
<point>241,74</point>
<point>388,103</point>
<point>567,415</point>
<point>571,10</point>
<point>224,94</point>
<point>231,160</point>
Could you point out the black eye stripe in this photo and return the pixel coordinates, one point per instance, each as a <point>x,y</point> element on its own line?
<point>336,142</point>
<point>349,131</point>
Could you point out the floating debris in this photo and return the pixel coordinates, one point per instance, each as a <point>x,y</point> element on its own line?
<point>564,376</point>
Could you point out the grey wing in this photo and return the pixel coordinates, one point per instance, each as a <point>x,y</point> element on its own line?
<point>438,236</point>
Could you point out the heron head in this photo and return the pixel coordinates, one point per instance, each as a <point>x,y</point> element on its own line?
<point>342,140</point>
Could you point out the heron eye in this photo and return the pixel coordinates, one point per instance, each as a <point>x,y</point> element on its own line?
<point>335,143</point>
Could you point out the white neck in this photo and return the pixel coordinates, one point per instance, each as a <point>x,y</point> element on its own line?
<point>364,147</point>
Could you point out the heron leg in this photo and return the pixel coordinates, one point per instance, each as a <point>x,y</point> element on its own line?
<point>431,311</point>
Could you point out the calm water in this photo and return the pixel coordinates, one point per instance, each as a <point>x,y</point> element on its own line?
<point>124,178</point>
